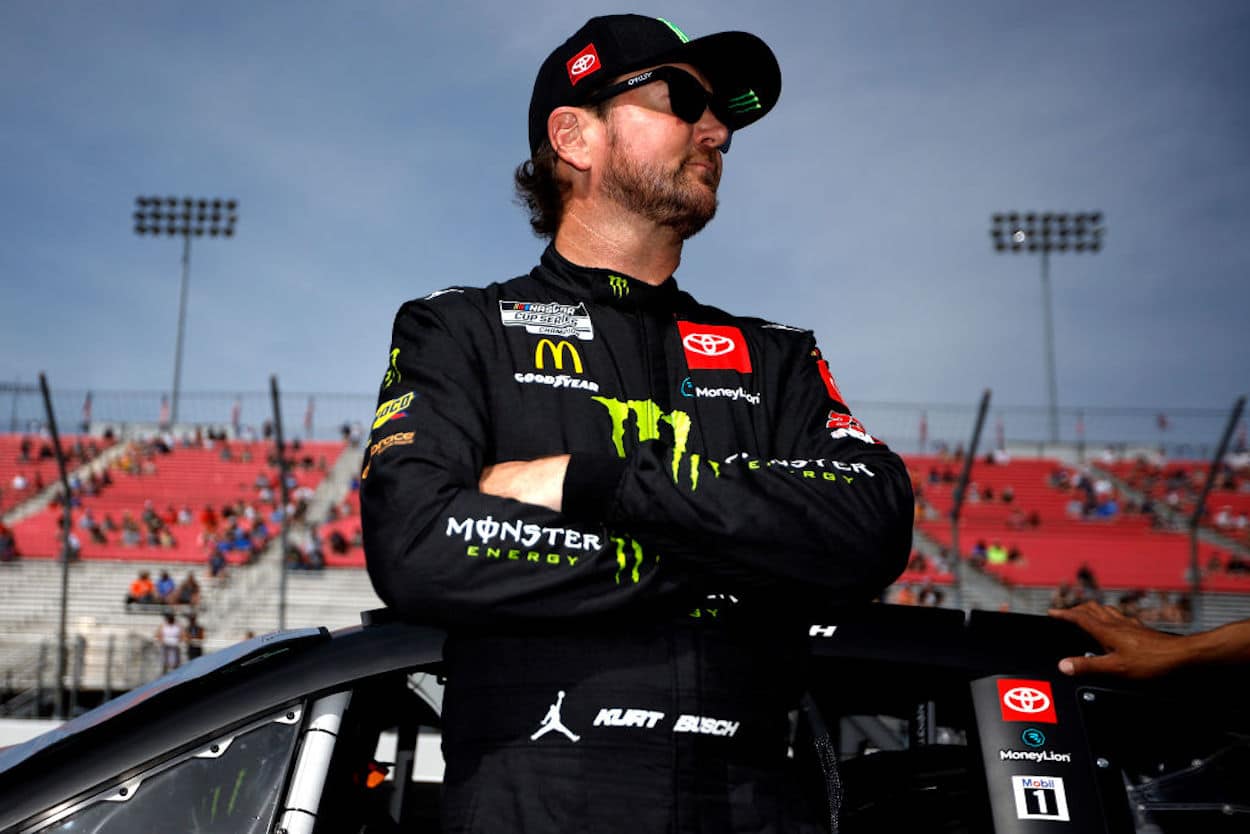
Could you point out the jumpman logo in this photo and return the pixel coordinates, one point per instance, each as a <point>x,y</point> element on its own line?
<point>551,721</point>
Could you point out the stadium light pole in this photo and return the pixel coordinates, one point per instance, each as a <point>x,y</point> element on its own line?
<point>188,217</point>
<point>1043,233</point>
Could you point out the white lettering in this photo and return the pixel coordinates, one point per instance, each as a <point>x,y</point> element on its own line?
<point>704,725</point>
<point>455,528</point>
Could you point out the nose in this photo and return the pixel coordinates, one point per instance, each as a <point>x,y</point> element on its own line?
<point>711,131</point>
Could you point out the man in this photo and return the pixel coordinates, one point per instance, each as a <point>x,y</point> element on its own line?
<point>624,505</point>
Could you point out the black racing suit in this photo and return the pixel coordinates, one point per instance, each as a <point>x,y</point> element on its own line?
<point>628,663</point>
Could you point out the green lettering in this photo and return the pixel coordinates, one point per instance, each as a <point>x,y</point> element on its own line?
<point>494,552</point>
<point>807,473</point>
<point>473,550</point>
<point>533,556</point>
<point>513,554</point>
<point>847,478</point>
<point>553,558</point>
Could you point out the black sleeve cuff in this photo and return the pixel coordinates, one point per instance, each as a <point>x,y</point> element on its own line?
<point>590,483</point>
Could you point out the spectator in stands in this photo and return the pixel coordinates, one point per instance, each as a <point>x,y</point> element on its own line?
<point>217,560</point>
<point>977,557</point>
<point>170,637</point>
<point>141,589</point>
<point>131,537</point>
<point>338,543</point>
<point>71,546</point>
<point>209,518</point>
<point>1064,596</point>
<point>906,595</point>
<point>1088,583</point>
<point>997,554</point>
<point>195,637</point>
<point>165,587</point>
<point>188,591</point>
<point>24,449</point>
<point>929,595</point>
<point>19,482</point>
<point>184,515</point>
<point>1136,651</point>
<point>8,545</point>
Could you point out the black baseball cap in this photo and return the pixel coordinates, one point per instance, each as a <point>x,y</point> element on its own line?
<point>741,68</point>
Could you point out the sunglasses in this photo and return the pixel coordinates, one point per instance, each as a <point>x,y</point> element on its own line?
<point>688,99</point>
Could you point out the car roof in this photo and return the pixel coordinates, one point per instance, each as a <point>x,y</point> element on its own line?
<point>196,702</point>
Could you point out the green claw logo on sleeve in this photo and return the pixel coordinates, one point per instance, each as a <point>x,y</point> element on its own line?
<point>622,560</point>
<point>392,373</point>
<point>647,420</point>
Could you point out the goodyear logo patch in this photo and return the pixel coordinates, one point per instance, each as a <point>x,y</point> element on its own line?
<point>392,409</point>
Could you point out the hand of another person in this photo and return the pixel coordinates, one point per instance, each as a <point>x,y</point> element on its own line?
<point>539,481</point>
<point>1133,650</point>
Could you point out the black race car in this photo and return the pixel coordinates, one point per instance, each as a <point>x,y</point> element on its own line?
<point>918,720</point>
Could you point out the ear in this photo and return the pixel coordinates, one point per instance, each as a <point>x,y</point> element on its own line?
<point>567,129</point>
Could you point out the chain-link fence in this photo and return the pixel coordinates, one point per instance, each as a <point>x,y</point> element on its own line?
<point>308,416</point>
<point>909,428</point>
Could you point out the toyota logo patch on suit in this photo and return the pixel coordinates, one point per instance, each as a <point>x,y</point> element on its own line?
<point>714,347</point>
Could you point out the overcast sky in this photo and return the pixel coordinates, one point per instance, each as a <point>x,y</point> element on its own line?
<point>371,147</point>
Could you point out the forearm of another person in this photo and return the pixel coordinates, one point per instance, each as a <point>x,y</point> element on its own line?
<point>1137,651</point>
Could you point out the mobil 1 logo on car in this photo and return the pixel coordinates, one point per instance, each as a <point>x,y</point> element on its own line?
<point>1040,798</point>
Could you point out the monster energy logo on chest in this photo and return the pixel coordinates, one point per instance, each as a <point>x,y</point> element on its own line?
<point>647,420</point>
<point>620,286</point>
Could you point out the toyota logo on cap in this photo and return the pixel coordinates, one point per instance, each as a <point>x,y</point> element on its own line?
<point>1025,700</point>
<point>708,344</point>
<point>583,64</point>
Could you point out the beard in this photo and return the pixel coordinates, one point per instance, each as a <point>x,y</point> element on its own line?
<point>682,199</point>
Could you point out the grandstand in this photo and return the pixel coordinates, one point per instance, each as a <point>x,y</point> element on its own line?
<point>1033,518</point>
<point>202,494</point>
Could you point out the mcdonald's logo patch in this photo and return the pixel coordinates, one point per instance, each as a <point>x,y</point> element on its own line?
<point>556,350</point>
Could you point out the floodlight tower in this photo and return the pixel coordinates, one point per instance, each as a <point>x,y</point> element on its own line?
<point>189,218</point>
<point>1044,233</point>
